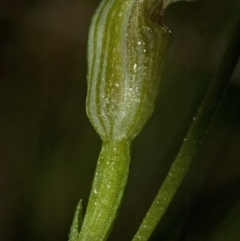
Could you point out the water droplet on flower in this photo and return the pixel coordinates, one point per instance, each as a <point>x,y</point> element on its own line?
<point>135,67</point>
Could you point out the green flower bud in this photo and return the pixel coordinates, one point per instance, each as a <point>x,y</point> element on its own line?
<point>127,49</point>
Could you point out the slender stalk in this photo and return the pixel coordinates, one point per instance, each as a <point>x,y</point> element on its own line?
<point>107,191</point>
<point>194,138</point>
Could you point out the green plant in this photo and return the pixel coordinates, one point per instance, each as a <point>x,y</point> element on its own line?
<point>127,48</point>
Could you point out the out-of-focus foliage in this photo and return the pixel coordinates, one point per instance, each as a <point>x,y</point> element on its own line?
<point>49,149</point>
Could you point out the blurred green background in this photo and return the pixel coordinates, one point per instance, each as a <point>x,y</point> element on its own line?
<point>48,148</point>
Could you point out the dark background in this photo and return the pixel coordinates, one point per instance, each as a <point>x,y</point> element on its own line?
<point>48,148</point>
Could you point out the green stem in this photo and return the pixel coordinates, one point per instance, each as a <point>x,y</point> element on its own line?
<point>107,190</point>
<point>194,138</point>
